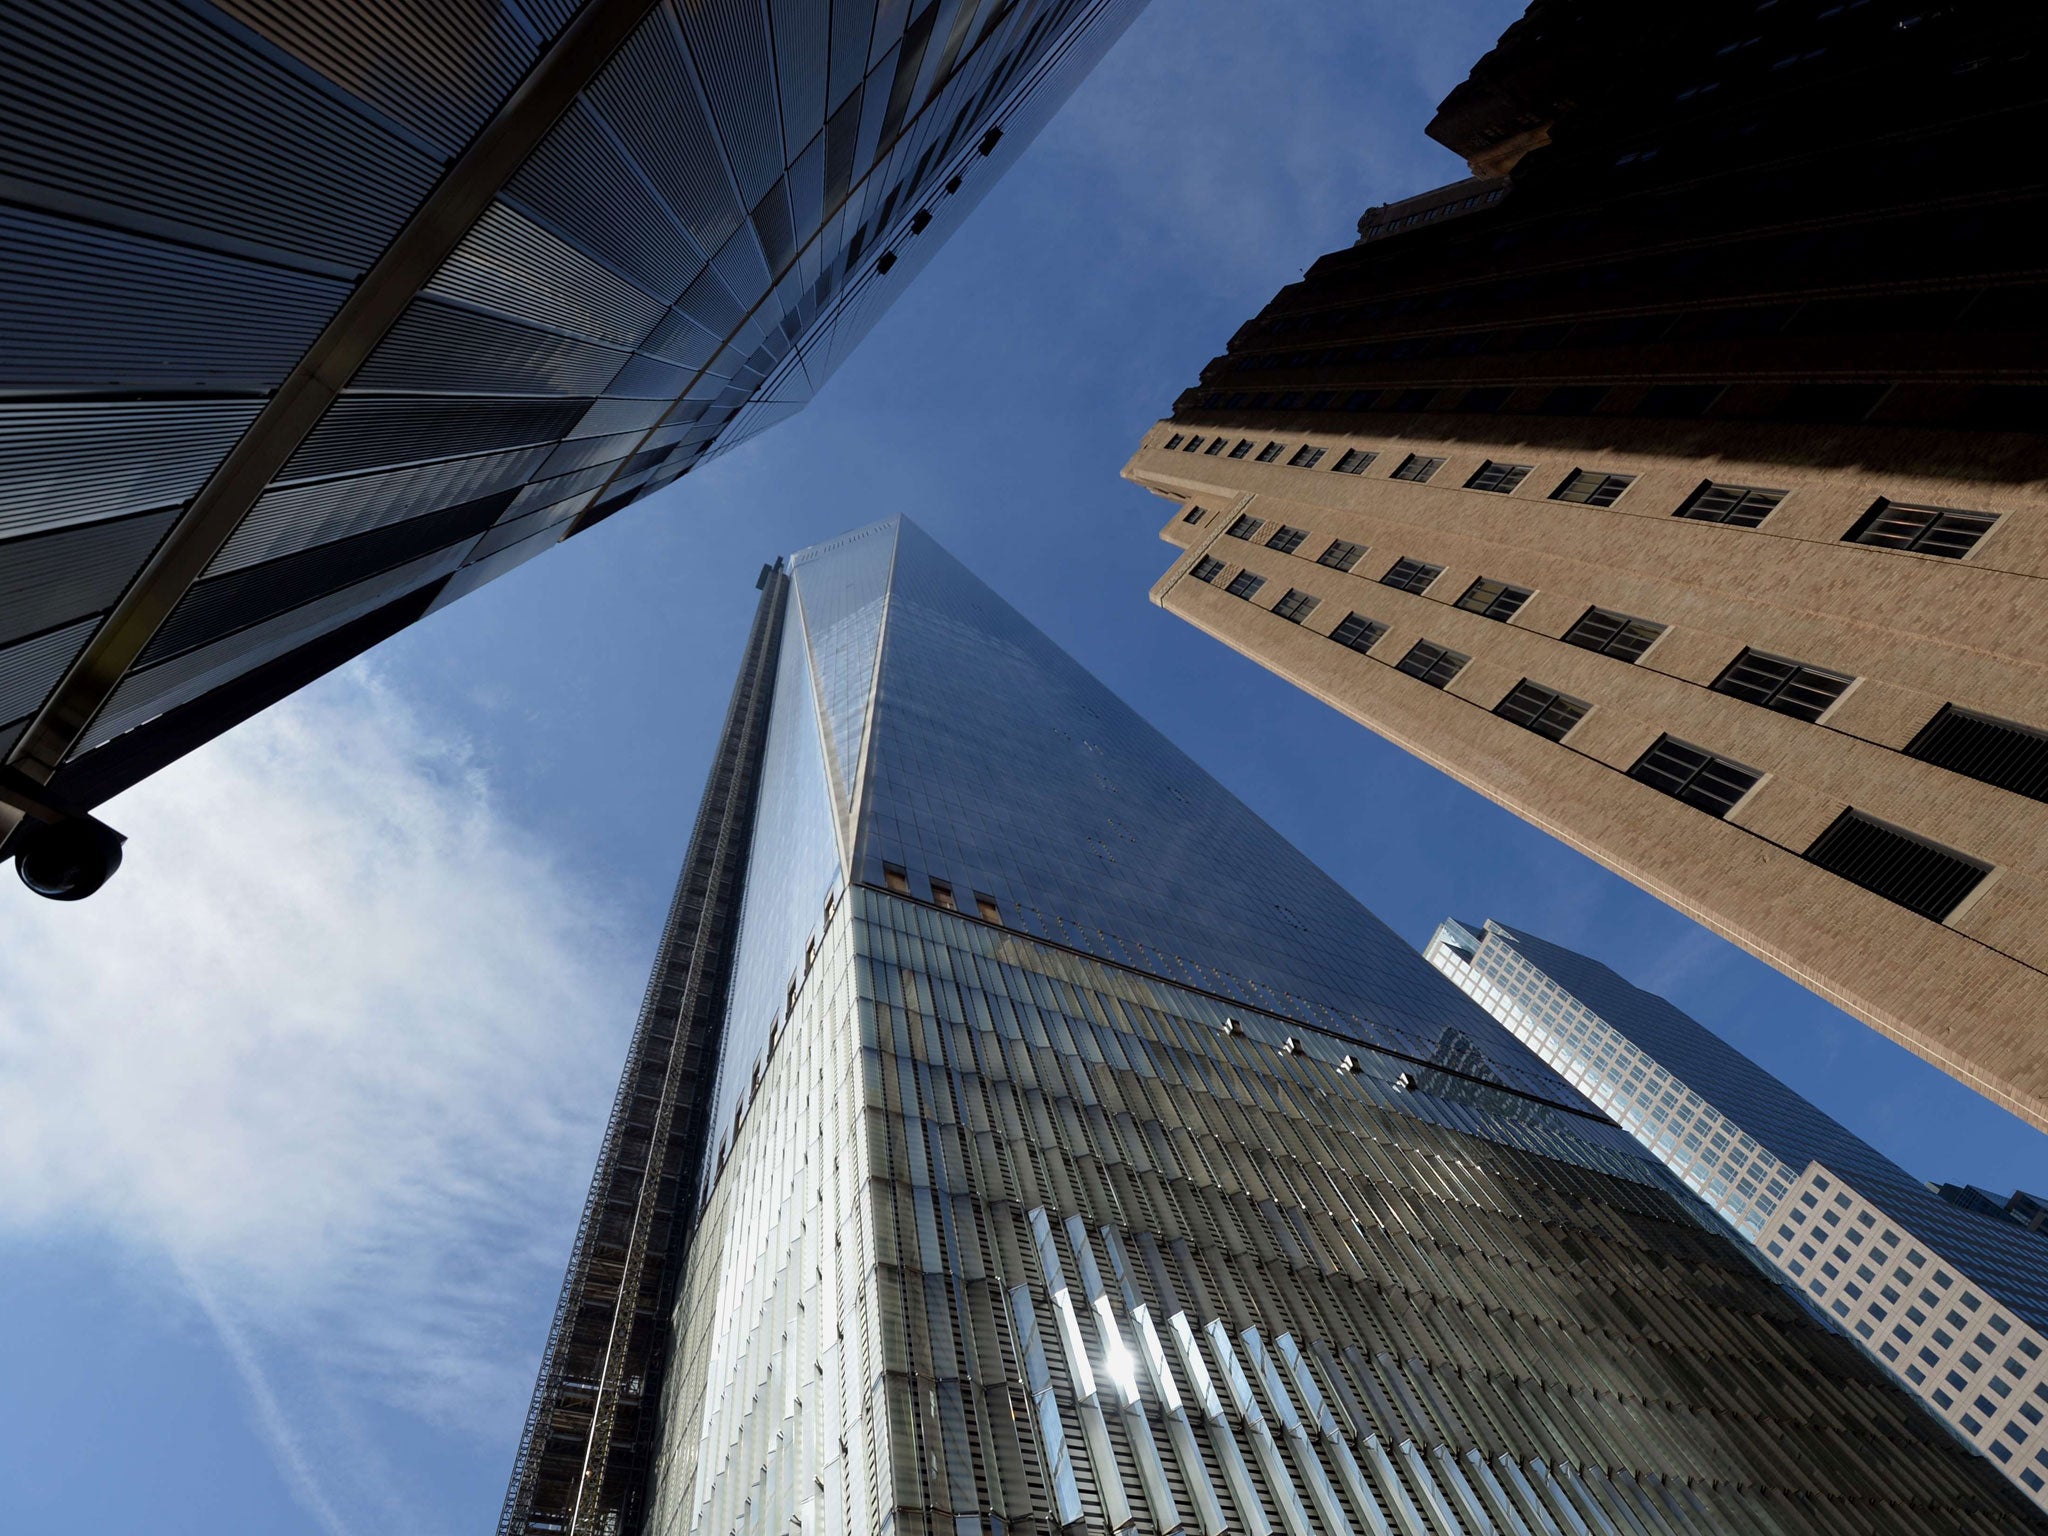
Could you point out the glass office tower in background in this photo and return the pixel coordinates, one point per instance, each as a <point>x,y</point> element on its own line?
<point>1021,1135</point>
<point>314,317</point>
<point>1954,1301</point>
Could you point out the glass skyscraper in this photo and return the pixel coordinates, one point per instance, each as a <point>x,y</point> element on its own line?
<point>316,316</point>
<point>1020,1135</point>
<point>1951,1301</point>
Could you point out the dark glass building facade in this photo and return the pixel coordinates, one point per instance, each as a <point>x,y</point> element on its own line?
<point>318,315</point>
<point>1045,1144</point>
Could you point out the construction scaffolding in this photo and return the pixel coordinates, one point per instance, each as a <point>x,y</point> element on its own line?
<point>590,1431</point>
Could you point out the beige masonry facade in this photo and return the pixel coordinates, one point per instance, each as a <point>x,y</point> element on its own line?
<point>1914,634</point>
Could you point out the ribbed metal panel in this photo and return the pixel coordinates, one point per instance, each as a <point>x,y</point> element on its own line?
<point>619,416</point>
<point>148,108</point>
<point>649,378</point>
<point>144,695</point>
<point>647,98</point>
<point>555,488</point>
<point>547,16</point>
<point>439,66</point>
<point>578,186</point>
<point>745,270</point>
<point>80,460</point>
<point>29,669</point>
<point>237,600</point>
<point>682,339</point>
<point>470,577</point>
<point>509,264</point>
<point>711,304</point>
<point>438,348</point>
<point>587,451</point>
<point>802,35</point>
<point>729,43</point>
<point>53,577</point>
<point>301,516</point>
<point>506,534</point>
<point>87,308</point>
<point>371,432</point>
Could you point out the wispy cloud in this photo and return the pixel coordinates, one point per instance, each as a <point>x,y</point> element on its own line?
<point>330,1055</point>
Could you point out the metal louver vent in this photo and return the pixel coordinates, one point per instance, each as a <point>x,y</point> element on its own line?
<point>1920,876</point>
<point>1999,752</point>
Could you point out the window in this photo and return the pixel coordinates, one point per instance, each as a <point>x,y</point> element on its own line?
<point>1269,453</point>
<point>1176,440</point>
<point>1358,632</point>
<point>1191,445</point>
<point>1920,876</point>
<point>1494,599</point>
<point>1789,687</point>
<point>986,906</point>
<point>1497,477</point>
<point>1592,488</point>
<point>1342,555</point>
<point>1287,540</point>
<point>896,878</point>
<point>1999,752</point>
<point>1613,634</point>
<point>1921,530</point>
<point>1740,506</point>
<point>942,893</point>
<point>1306,458</point>
<point>1245,527</point>
<point>1207,569</point>
<point>1295,606</point>
<point>1432,663</point>
<point>1216,446</point>
<point>1245,585</point>
<point>1411,575</point>
<point>1543,710</point>
<point>1192,515</point>
<point>1685,772</point>
<point>1243,447</point>
<point>1353,462</point>
<point>1417,467</point>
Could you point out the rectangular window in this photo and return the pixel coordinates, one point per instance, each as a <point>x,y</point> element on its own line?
<point>1987,749</point>
<point>1411,575</point>
<point>1216,446</point>
<point>1417,467</point>
<point>1494,599</point>
<point>1287,540</point>
<point>1270,452</point>
<point>1354,461</point>
<point>1207,569</point>
<point>1176,440</point>
<point>1789,687</point>
<point>896,878</point>
<point>1295,606</point>
<point>1740,506</point>
<point>1685,772</point>
<point>1920,876</point>
<point>1245,527</point>
<point>1497,477</point>
<point>986,906</point>
<point>1921,530</point>
<point>1191,445</point>
<point>942,893</point>
<point>1358,632</point>
<point>1613,634</point>
<point>1592,488</point>
<point>1245,585</point>
<point>1545,711</point>
<point>1192,515</point>
<point>1306,458</point>
<point>1432,663</point>
<point>1342,555</point>
<point>1243,447</point>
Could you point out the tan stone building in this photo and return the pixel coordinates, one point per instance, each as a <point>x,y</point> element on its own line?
<point>1678,483</point>
<point>1806,736</point>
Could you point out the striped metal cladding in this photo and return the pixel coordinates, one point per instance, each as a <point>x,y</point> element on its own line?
<point>55,577</point>
<point>29,667</point>
<point>707,181</point>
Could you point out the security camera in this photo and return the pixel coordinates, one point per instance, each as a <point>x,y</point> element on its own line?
<point>67,860</point>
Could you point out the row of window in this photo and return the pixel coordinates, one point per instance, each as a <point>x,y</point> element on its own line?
<point>1947,531</point>
<point>1920,875</point>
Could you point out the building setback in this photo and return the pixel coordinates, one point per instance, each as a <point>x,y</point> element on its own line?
<point>317,317</point>
<point>1953,1302</point>
<point>1678,483</point>
<point>1020,1135</point>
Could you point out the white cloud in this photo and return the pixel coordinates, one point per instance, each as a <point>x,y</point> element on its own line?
<point>332,1050</point>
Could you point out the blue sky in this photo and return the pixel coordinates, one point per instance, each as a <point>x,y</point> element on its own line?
<point>287,1183</point>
